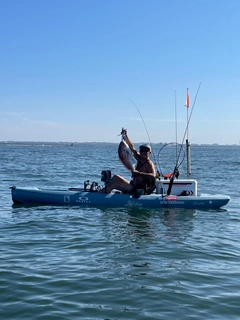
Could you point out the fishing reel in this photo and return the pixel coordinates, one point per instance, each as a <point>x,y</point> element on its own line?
<point>176,173</point>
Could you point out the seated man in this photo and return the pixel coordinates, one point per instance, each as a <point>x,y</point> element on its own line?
<point>144,170</point>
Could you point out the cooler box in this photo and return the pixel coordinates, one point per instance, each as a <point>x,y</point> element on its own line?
<point>180,187</point>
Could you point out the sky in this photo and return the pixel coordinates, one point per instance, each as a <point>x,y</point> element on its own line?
<point>80,70</point>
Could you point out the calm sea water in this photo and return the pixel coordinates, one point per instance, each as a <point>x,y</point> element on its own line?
<point>121,263</point>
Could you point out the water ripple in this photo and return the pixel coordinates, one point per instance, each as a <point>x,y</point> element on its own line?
<point>116,263</point>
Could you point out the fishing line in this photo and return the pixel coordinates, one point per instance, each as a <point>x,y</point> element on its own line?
<point>146,131</point>
<point>178,146</point>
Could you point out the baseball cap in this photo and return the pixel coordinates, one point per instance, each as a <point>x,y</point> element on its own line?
<point>145,147</point>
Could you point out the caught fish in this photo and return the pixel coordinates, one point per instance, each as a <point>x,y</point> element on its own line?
<point>125,155</point>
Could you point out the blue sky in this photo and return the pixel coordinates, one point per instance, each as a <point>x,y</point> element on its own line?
<point>70,67</point>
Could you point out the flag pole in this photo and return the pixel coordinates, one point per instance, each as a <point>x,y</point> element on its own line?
<point>187,141</point>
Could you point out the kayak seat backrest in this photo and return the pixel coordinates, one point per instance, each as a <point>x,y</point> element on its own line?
<point>147,186</point>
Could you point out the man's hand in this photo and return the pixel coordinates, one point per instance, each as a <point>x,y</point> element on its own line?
<point>135,173</point>
<point>124,131</point>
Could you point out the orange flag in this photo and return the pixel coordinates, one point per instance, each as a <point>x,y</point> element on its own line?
<point>187,100</point>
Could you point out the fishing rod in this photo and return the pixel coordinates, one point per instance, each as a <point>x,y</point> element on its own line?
<point>158,173</point>
<point>175,171</point>
<point>176,129</point>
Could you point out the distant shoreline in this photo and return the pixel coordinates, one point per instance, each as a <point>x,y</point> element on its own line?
<point>71,144</point>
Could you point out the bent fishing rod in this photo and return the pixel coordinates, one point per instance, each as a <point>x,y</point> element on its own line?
<point>158,173</point>
<point>175,171</point>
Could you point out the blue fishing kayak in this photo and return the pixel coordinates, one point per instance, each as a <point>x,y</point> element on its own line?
<point>79,197</point>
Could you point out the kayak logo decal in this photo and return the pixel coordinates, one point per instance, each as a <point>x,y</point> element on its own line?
<point>133,204</point>
<point>189,192</point>
<point>171,198</point>
<point>83,200</point>
<point>171,202</point>
<point>66,199</point>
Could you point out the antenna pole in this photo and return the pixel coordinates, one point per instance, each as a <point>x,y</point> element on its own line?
<point>187,140</point>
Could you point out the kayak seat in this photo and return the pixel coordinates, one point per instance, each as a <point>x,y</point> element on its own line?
<point>147,186</point>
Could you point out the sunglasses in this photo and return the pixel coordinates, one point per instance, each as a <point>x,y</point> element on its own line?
<point>145,151</point>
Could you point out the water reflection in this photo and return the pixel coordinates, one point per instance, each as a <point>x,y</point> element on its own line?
<point>128,224</point>
<point>178,223</point>
<point>137,224</point>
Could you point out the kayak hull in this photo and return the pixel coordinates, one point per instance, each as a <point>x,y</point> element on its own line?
<point>79,197</point>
